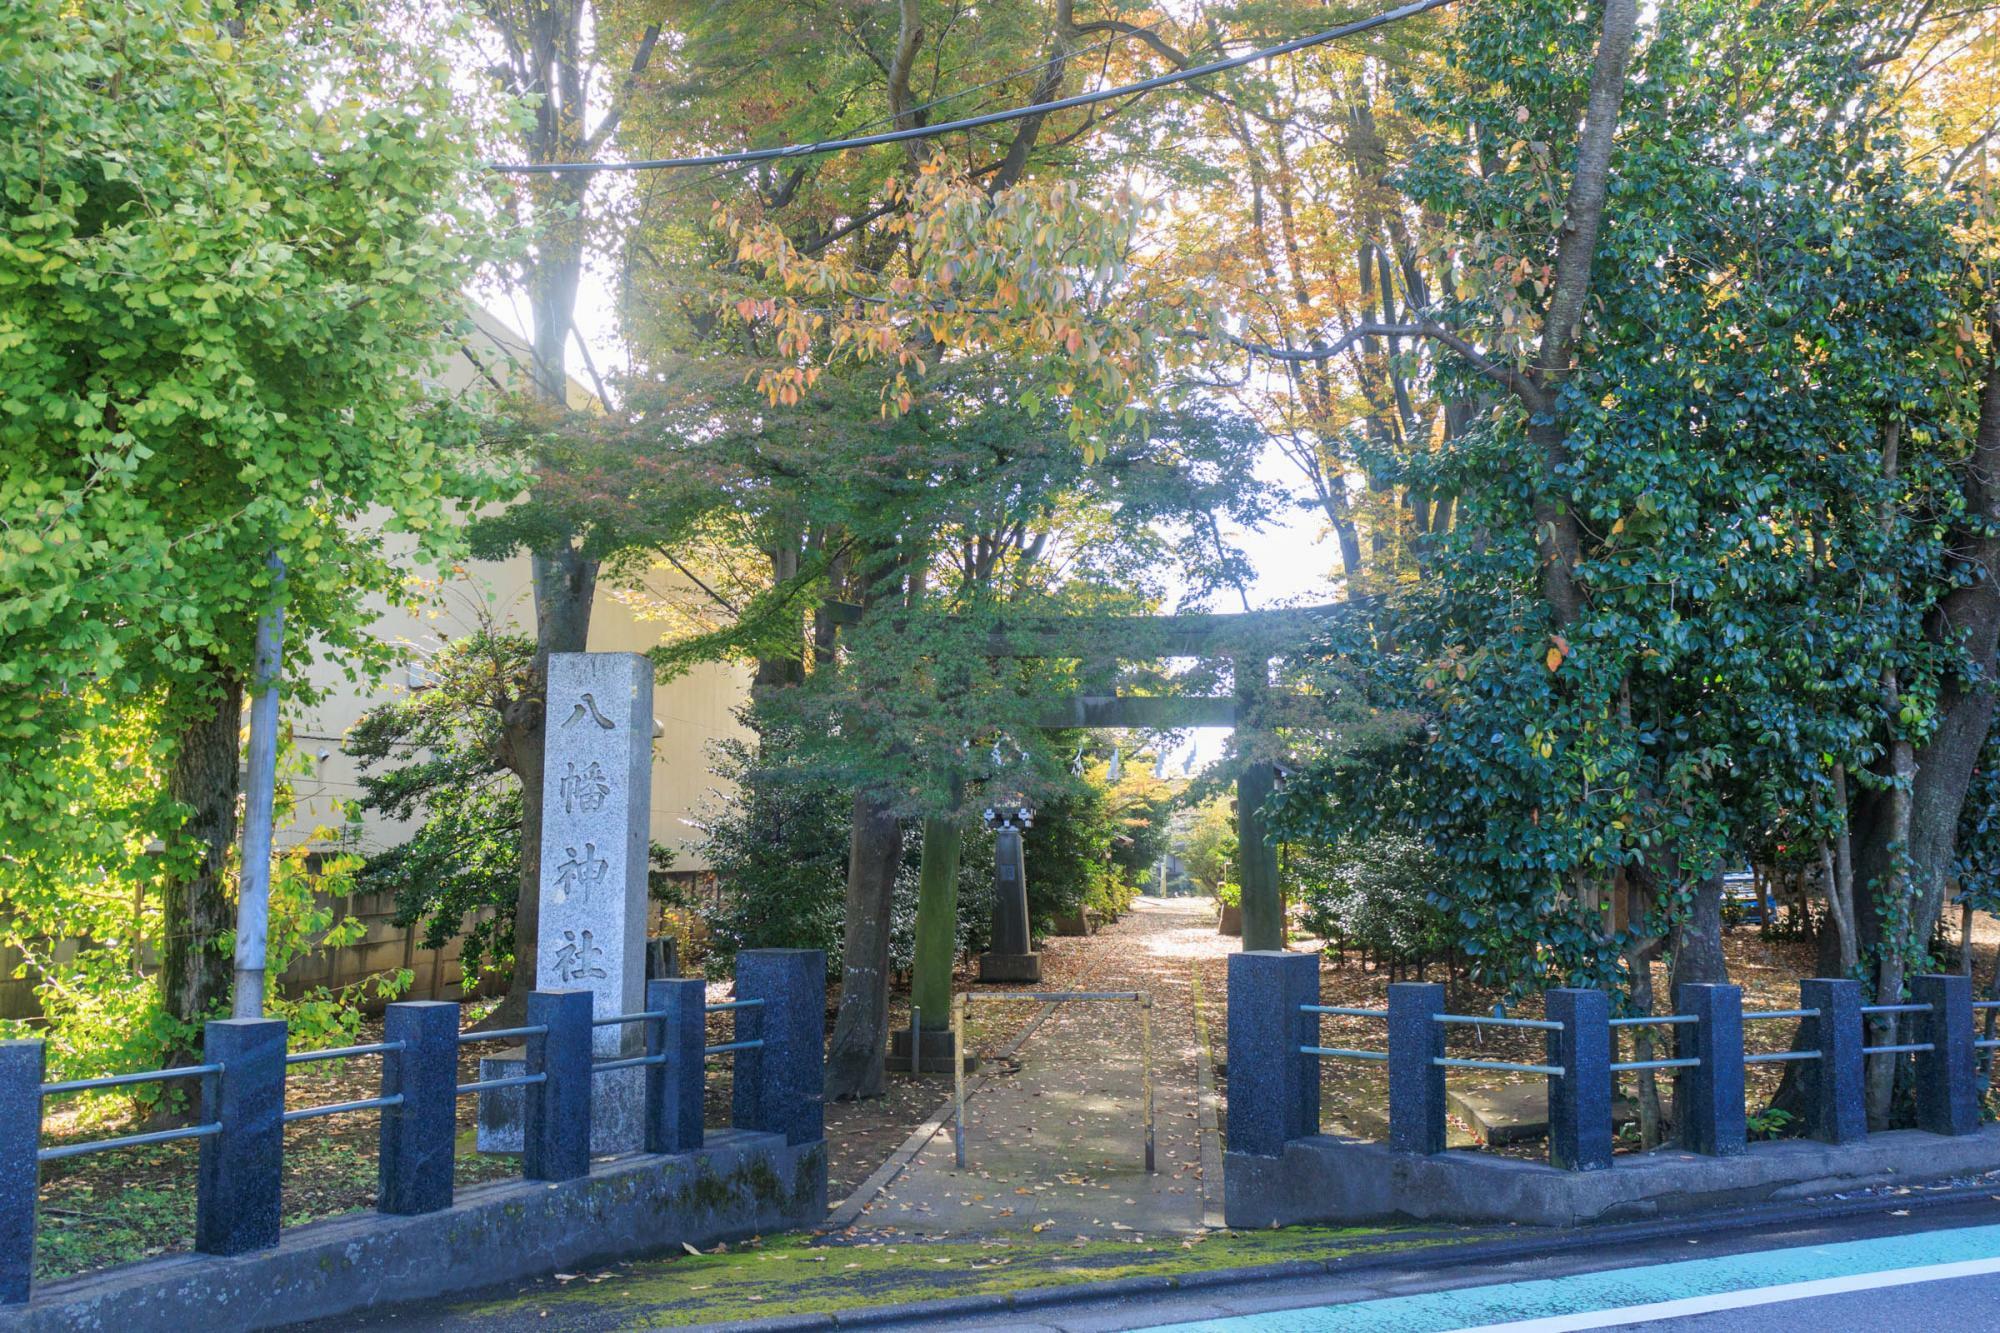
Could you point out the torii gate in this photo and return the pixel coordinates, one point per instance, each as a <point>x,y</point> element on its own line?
<point>1246,639</point>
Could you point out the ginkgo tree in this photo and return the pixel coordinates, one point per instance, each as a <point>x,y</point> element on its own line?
<point>221,290</point>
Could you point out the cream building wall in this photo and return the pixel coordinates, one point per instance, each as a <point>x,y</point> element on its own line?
<point>692,711</point>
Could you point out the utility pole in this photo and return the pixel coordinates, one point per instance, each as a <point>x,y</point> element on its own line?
<point>253,903</point>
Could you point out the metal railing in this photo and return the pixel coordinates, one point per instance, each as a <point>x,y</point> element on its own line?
<point>962,1000</point>
<point>1707,1044</point>
<point>239,1188</point>
<point>1494,1020</point>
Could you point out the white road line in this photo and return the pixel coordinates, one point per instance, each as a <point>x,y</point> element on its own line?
<point>1738,1300</point>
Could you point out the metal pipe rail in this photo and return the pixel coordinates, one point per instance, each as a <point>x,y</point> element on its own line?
<point>341,1108</point>
<point>1453,1062</point>
<point>504,1034</point>
<point>343,1052</point>
<point>732,1004</point>
<point>1648,1020</point>
<point>628,1062</point>
<point>1773,1057</point>
<point>1345,1011</point>
<point>1340,1054</point>
<point>728,1046</point>
<point>1895,1008</point>
<point>1051,996</point>
<point>615,1020</point>
<point>495,1084</point>
<point>126,1080</point>
<point>1780,1013</point>
<point>1898,1050</point>
<point>963,999</point>
<point>1488,1020</point>
<point>127,1141</point>
<point>1684,1062</point>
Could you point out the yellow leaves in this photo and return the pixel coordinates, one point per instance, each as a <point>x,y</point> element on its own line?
<point>1557,654</point>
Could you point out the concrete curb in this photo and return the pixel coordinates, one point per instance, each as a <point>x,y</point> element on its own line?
<point>1388,1254</point>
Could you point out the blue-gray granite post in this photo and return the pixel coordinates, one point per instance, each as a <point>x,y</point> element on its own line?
<point>413,1171</point>
<point>20,1139</point>
<point>1416,1080</point>
<point>1947,1098</point>
<point>1711,1093</point>
<point>673,1089</point>
<point>237,1186</point>
<point>556,1128</point>
<point>779,1088</point>
<point>1837,1106</point>
<point>1273,1087</point>
<point>1580,1098</point>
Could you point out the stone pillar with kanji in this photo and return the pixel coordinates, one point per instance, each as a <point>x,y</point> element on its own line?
<point>597,799</point>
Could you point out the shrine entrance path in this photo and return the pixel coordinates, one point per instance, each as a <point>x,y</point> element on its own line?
<point>1055,1131</point>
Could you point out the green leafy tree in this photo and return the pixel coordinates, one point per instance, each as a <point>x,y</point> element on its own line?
<point>220,291</point>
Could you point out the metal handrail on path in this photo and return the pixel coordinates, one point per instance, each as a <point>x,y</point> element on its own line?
<point>958,1006</point>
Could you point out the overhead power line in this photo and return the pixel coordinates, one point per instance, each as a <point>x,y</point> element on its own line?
<point>1410,10</point>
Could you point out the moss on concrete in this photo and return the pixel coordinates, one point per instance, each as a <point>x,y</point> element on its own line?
<point>798,1275</point>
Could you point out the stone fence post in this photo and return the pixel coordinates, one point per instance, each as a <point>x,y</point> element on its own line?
<point>238,1186</point>
<point>420,1133</point>
<point>780,1088</point>
<point>1273,1088</point>
<point>674,1089</point>
<point>1416,1080</point>
<point>556,1129</point>
<point>1838,1109</point>
<point>1580,1098</point>
<point>20,1173</point>
<point>1947,1100</point>
<point>1711,1093</point>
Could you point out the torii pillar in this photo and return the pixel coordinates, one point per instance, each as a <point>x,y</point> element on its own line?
<point>1256,853</point>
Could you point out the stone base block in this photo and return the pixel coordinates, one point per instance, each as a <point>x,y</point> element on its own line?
<point>1010,967</point>
<point>1518,1112</point>
<point>1329,1180</point>
<point>937,1052</point>
<point>617,1108</point>
<point>1231,921</point>
<point>1077,923</point>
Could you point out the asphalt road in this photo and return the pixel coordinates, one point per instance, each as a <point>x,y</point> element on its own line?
<point>1928,1268</point>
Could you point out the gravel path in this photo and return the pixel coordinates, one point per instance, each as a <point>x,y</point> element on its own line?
<point>1055,1133</point>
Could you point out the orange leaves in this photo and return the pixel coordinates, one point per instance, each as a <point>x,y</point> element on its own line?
<point>1558,651</point>
<point>1037,275</point>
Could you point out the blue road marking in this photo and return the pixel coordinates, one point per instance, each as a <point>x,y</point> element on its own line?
<point>1616,1289</point>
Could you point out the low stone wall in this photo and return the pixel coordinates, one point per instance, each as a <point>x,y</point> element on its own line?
<point>1324,1179</point>
<point>740,1183</point>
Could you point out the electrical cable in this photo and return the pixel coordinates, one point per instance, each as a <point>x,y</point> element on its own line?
<point>1410,10</point>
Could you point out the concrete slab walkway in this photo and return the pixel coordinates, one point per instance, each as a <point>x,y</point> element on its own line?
<point>1054,1137</point>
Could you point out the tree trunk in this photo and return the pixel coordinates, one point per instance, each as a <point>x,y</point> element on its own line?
<point>1639,964</point>
<point>1697,939</point>
<point>1557,531</point>
<point>856,1055</point>
<point>565,589</point>
<point>194,972</point>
